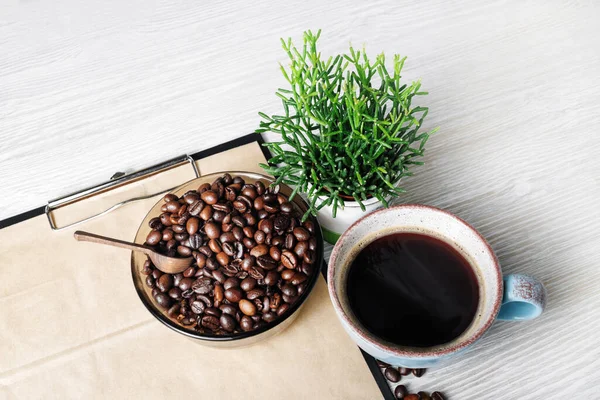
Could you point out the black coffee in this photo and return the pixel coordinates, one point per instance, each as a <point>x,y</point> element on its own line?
<point>412,290</point>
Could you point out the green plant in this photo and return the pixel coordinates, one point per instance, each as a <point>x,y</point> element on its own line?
<point>349,129</point>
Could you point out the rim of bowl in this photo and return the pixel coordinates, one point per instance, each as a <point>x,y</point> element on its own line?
<point>162,317</point>
<point>426,352</point>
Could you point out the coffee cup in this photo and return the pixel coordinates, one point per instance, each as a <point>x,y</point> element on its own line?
<point>514,297</point>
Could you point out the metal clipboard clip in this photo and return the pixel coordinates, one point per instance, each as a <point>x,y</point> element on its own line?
<point>117,180</point>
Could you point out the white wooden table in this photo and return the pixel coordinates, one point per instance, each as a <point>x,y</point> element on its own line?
<point>89,88</point>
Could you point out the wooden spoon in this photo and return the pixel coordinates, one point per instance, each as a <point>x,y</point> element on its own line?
<point>169,265</point>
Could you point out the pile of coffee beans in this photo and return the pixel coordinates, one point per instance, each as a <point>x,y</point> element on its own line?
<point>395,374</point>
<point>253,256</point>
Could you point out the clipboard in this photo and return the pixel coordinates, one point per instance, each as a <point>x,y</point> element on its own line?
<point>38,350</point>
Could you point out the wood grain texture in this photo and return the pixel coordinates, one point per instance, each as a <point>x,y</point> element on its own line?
<point>89,88</point>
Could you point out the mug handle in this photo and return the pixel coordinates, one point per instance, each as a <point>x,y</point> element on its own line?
<point>524,298</point>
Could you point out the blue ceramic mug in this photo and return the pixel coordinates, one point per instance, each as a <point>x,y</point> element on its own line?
<point>513,297</point>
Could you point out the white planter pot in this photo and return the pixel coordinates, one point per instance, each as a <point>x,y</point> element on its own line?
<point>346,216</point>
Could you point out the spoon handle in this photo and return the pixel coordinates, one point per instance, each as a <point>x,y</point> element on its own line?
<point>91,237</point>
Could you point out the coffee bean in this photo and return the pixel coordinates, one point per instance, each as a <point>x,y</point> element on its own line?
<point>175,293</point>
<point>191,197</point>
<point>265,225</point>
<point>418,372</point>
<point>247,307</point>
<point>290,241</point>
<point>238,233</point>
<point>184,251</point>
<point>277,241</point>
<point>185,284</point>
<point>275,253</point>
<point>227,237</point>
<point>163,300</point>
<point>196,208</point>
<point>231,283</point>
<point>400,391</point>
<point>301,234</point>
<point>246,323</point>
<point>250,192</point>
<point>302,288</point>
<point>307,269</point>
<point>165,282</point>
<point>206,213</point>
<point>282,309</point>
<point>312,244</point>
<point>287,274</point>
<point>260,187</point>
<point>260,237</point>
<point>198,307</point>
<point>177,279</point>
<point>404,371</point>
<point>269,316</point>
<point>223,258</point>
<point>298,278</point>
<point>228,309</point>
<point>212,264</point>
<point>271,208</point>
<point>192,225</point>
<point>423,396</point>
<point>382,364</point>
<point>309,226</point>
<point>289,290</point>
<point>209,197</point>
<point>206,251</point>
<point>150,281</point>
<point>212,230</point>
<point>289,299</point>
<point>266,262</point>
<point>219,293</point>
<point>155,223</point>
<point>181,237</point>
<point>248,262</point>
<point>286,207</point>
<point>272,278</point>
<point>259,250</point>
<point>392,374</point>
<point>153,237</point>
<point>309,257</point>
<point>210,322</point>
<point>215,312</point>
<point>280,222</point>
<point>170,197</point>
<point>205,299</point>
<point>239,221</point>
<point>222,207</point>
<point>167,234</point>
<point>234,295</point>
<point>437,396</point>
<point>248,243</point>
<point>270,197</point>
<point>301,248</point>
<point>173,206</point>
<point>227,322</point>
<point>195,241</point>
<point>248,284</point>
<point>157,273</point>
<point>255,293</point>
<point>202,285</point>
<point>288,259</point>
<point>147,268</point>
